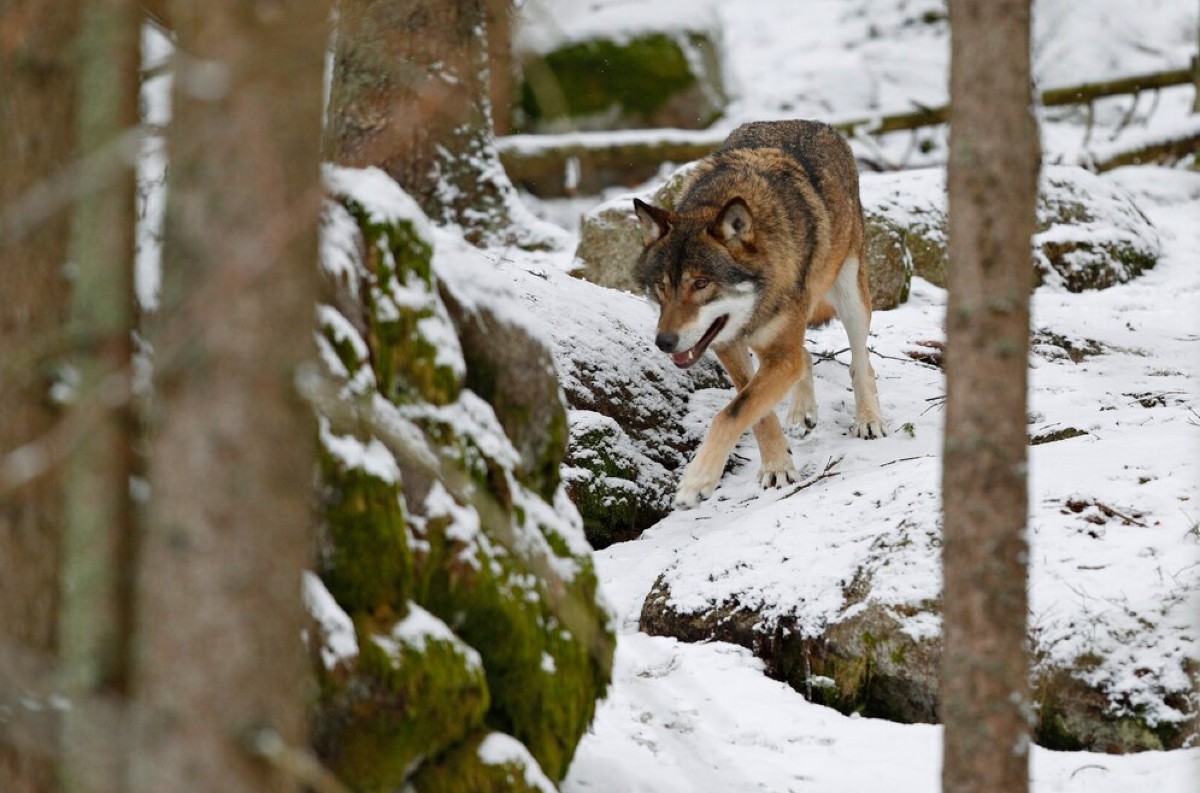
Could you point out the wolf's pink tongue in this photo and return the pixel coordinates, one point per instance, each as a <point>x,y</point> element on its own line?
<point>682,358</point>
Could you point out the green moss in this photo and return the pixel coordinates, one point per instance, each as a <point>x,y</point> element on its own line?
<point>488,579</point>
<point>367,566</point>
<point>544,680</point>
<point>616,498</point>
<point>407,364</point>
<point>1072,716</point>
<point>404,702</point>
<point>462,770</point>
<point>636,79</point>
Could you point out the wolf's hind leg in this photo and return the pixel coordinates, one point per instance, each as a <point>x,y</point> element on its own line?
<point>802,415</point>
<point>850,296</point>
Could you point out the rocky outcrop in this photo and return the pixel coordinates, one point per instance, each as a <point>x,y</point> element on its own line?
<point>874,647</point>
<point>457,596</point>
<point>1090,234</point>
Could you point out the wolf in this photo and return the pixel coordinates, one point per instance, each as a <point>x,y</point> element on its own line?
<point>766,238</point>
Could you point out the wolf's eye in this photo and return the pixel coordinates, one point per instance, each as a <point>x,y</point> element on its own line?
<point>700,283</point>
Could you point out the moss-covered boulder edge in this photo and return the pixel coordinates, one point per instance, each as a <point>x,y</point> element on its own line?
<point>458,637</point>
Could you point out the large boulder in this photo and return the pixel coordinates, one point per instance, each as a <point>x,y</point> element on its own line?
<point>587,66</point>
<point>454,572</point>
<point>1090,234</point>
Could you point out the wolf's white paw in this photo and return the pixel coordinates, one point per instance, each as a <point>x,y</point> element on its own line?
<point>802,417</point>
<point>869,428</point>
<point>778,474</point>
<point>695,486</point>
<point>800,426</point>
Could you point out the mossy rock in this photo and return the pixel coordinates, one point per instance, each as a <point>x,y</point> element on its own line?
<point>489,762</point>
<point>1073,716</point>
<point>514,372</point>
<point>414,351</point>
<point>618,490</point>
<point>866,662</point>
<point>546,645</point>
<point>482,534</point>
<point>1090,234</point>
<point>906,231</point>
<point>414,689</point>
<point>364,557</point>
<point>643,81</point>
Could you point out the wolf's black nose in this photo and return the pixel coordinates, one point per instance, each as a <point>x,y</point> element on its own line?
<point>666,341</point>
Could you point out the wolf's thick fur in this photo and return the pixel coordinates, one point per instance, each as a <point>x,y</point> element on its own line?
<point>767,238</point>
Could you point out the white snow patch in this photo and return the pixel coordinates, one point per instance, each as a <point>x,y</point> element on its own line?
<point>379,195</point>
<point>339,642</point>
<point>419,627</point>
<point>501,749</point>
<point>370,456</point>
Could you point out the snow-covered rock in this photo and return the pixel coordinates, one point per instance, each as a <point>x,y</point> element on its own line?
<point>590,66</point>
<point>449,546</point>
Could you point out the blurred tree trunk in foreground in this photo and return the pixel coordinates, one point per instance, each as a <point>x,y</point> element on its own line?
<point>37,139</point>
<point>993,169</point>
<point>230,454</point>
<point>410,95</point>
<point>98,532</point>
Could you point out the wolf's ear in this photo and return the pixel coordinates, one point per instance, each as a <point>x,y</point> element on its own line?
<point>655,222</point>
<point>734,223</point>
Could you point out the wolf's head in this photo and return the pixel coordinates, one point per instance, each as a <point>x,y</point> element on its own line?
<point>694,267</point>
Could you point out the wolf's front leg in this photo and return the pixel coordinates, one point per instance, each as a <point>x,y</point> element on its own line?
<point>750,408</point>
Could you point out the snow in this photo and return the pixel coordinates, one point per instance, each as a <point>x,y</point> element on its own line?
<point>546,25</point>
<point>371,457</point>
<point>378,194</point>
<point>338,642</point>
<point>419,627</point>
<point>500,749</point>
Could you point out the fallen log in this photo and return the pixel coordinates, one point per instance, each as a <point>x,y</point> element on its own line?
<point>588,162</point>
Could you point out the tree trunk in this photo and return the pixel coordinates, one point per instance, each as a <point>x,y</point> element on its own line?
<point>410,95</point>
<point>37,138</point>
<point>98,534</point>
<point>993,168</point>
<point>230,452</point>
<point>501,66</point>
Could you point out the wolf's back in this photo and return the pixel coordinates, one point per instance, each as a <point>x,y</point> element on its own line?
<point>818,147</point>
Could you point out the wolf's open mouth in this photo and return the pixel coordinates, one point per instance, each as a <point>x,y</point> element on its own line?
<point>685,359</point>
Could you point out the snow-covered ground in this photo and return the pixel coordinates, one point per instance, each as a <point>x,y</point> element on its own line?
<point>704,718</point>
<point>1115,515</point>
